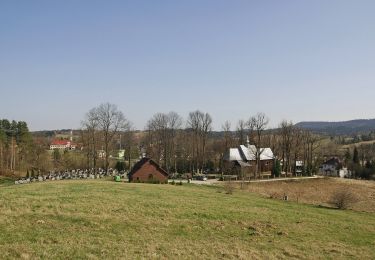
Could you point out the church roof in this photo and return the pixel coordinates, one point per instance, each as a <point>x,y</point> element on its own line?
<point>266,154</point>
<point>248,152</point>
<point>243,153</point>
<point>233,155</point>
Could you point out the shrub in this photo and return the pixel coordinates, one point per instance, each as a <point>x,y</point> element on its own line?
<point>229,187</point>
<point>343,198</point>
<point>173,182</point>
<point>120,166</point>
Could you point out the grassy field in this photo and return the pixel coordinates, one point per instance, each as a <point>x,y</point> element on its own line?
<point>103,219</point>
<point>351,146</point>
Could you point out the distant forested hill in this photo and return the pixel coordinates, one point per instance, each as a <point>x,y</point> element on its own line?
<point>352,127</point>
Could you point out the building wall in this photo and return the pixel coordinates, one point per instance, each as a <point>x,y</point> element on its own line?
<point>266,165</point>
<point>58,146</point>
<point>230,167</point>
<point>329,167</point>
<point>68,145</point>
<point>330,170</point>
<point>149,173</point>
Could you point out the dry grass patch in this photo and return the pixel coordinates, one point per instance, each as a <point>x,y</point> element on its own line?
<point>320,191</point>
<point>229,187</point>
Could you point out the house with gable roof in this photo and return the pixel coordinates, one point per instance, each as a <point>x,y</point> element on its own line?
<point>62,145</point>
<point>242,160</point>
<point>147,170</point>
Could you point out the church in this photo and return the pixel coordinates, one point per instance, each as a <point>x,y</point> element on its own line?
<point>241,161</point>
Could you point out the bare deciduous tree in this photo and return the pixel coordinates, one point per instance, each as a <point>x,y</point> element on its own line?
<point>109,121</point>
<point>162,137</point>
<point>226,127</point>
<point>90,136</point>
<point>241,132</point>
<point>311,142</point>
<point>257,125</point>
<point>201,125</point>
<point>129,144</point>
<point>297,145</point>
<point>286,131</point>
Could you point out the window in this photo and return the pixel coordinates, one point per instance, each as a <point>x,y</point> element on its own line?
<point>150,176</point>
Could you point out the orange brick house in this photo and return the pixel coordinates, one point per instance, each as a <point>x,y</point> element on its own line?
<point>147,170</point>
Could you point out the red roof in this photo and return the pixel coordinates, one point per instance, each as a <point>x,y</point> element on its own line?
<point>60,142</point>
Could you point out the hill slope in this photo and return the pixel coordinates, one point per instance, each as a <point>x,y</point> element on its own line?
<point>340,128</point>
<point>102,219</point>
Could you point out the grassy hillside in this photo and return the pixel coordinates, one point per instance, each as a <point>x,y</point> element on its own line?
<point>103,219</point>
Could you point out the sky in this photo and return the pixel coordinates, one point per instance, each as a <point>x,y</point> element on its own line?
<point>294,60</point>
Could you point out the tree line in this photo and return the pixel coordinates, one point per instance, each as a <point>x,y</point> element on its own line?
<point>179,145</point>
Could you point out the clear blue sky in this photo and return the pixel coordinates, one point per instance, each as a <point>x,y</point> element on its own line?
<point>295,60</point>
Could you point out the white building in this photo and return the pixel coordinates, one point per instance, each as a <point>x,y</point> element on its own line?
<point>62,145</point>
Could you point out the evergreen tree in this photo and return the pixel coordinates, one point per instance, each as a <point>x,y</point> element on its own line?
<point>347,155</point>
<point>120,166</point>
<point>355,156</point>
<point>369,165</point>
<point>276,169</point>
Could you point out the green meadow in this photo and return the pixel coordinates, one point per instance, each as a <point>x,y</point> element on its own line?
<point>101,219</point>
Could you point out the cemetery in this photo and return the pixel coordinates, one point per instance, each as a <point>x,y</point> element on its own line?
<point>76,174</point>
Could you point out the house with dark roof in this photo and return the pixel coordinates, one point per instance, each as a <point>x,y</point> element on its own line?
<point>331,167</point>
<point>147,170</point>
